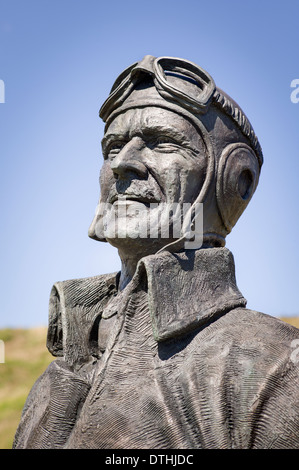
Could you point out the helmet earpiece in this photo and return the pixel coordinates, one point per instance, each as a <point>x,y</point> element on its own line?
<point>237,178</point>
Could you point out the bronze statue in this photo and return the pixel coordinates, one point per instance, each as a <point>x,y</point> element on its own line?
<point>165,354</point>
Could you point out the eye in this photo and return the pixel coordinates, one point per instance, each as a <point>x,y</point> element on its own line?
<point>164,139</point>
<point>114,148</point>
<point>161,142</point>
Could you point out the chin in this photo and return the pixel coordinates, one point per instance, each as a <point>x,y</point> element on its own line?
<point>137,246</point>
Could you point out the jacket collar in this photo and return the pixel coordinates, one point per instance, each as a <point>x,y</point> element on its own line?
<point>185,290</point>
<point>188,289</point>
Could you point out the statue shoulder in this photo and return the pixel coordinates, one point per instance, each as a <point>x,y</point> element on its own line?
<point>51,408</point>
<point>265,337</point>
<point>75,309</point>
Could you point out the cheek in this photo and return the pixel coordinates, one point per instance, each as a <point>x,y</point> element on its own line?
<point>194,181</point>
<point>167,174</point>
<point>106,180</point>
<point>181,178</point>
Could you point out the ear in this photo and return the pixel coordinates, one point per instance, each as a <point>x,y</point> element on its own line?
<point>237,178</point>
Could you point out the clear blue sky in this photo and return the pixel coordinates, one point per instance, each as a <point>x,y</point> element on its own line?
<point>58,60</point>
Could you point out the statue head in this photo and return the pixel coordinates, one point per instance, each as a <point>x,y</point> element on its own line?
<point>173,137</point>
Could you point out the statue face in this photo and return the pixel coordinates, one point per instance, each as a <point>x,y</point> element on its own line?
<point>152,158</point>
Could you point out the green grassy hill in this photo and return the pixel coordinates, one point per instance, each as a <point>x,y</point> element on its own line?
<point>26,357</point>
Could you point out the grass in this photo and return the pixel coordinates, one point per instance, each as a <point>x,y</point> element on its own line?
<point>292,320</point>
<point>26,358</point>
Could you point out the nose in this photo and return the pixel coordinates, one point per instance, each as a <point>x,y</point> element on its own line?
<point>128,161</point>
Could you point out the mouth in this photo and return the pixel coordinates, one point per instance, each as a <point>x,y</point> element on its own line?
<point>122,198</point>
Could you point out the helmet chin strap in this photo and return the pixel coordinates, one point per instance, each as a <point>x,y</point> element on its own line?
<point>187,232</point>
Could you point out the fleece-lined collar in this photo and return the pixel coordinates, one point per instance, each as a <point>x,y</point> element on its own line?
<point>185,290</point>
<point>188,289</point>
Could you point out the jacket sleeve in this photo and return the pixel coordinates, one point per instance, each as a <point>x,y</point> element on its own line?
<point>51,409</point>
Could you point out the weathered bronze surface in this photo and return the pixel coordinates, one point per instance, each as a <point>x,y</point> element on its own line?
<point>165,354</point>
